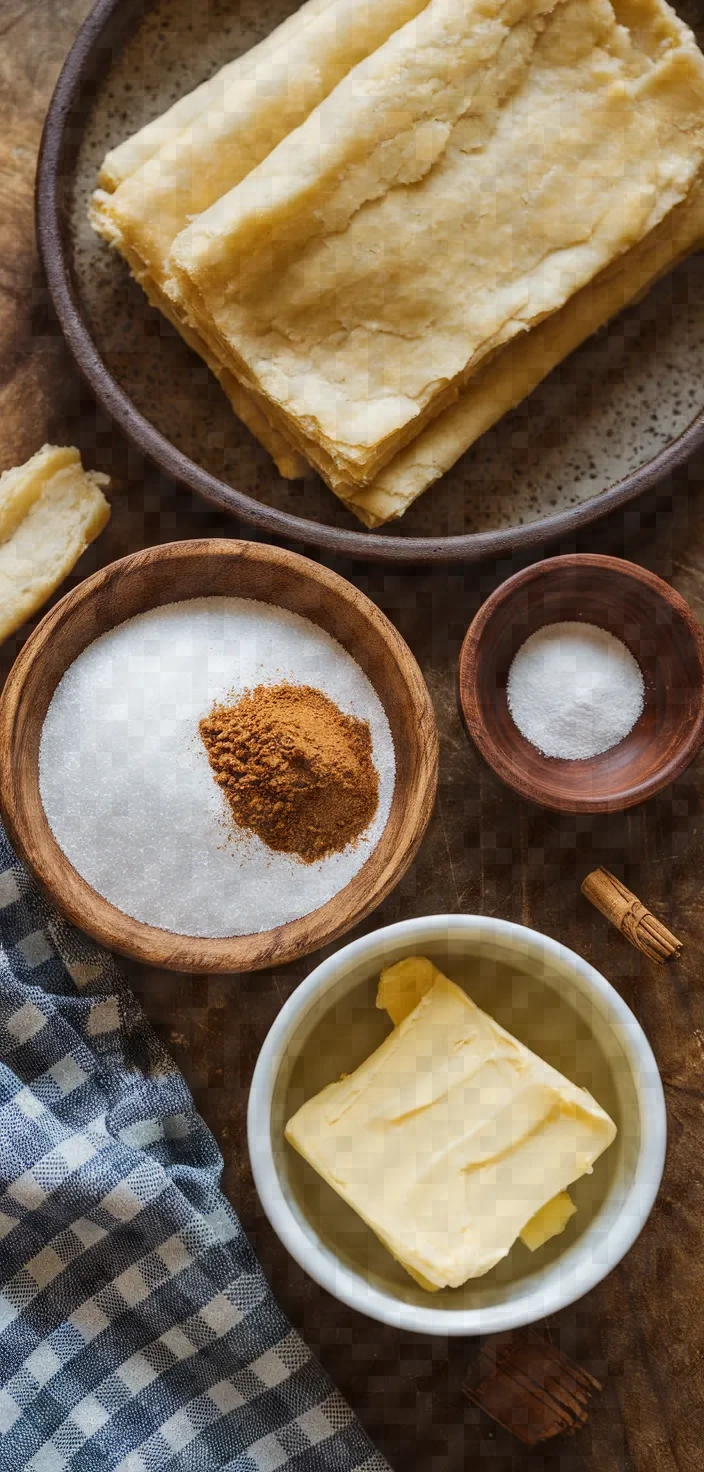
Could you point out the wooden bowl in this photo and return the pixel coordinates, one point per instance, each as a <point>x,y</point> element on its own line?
<point>661,632</point>
<point>609,424</point>
<point>170,573</point>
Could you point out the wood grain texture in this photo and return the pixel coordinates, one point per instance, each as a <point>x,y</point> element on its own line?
<point>201,569</point>
<point>641,1333</point>
<point>660,630</point>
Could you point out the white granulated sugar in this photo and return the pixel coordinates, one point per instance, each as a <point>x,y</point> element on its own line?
<point>127,787</point>
<point>574,690</point>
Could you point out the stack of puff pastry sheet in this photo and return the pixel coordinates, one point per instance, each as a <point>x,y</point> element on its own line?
<point>154,183</point>
<point>425,209</point>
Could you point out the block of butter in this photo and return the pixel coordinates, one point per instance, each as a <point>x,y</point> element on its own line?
<point>452,1139</point>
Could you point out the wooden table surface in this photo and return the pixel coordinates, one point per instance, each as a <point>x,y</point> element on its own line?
<point>642,1331</point>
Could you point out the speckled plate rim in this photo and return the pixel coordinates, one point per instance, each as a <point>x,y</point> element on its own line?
<point>95,44</point>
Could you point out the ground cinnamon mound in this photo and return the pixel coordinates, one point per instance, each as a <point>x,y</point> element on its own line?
<point>294,769</point>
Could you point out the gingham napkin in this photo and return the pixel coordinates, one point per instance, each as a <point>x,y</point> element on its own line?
<point>137,1331</point>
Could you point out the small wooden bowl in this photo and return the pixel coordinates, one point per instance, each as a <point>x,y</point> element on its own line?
<point>195,569</point>
<point>661,632</point>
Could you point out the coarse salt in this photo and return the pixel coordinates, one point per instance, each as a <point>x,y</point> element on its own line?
<point>574,690</point>
<point>125,780</point>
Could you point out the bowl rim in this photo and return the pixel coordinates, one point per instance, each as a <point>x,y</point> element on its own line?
<point>349,1286</point>
<point>149,944</point>
<point>100,33</point>
<point>471,707</point>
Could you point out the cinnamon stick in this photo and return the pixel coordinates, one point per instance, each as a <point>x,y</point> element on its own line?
<point>530,1387</point>
<point>626,912</point>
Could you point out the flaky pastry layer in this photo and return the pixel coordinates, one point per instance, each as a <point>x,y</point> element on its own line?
<point>455,190</point>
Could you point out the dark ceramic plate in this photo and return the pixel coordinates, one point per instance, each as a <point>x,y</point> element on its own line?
<point>607,425</point>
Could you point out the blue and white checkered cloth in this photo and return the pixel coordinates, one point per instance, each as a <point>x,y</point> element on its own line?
<point>137,1331</point>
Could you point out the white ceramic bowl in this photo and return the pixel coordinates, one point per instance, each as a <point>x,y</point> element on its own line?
<point>555,1003</point>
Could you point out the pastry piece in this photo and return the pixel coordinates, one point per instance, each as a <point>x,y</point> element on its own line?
<point>289,462</point>
<point>181,163</point>
<point>50,511</point>
<point>242,114</point>
<point>451,1137</point>
<point>518,369</point>
<point>209,97</point>
<point>455,189</point>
